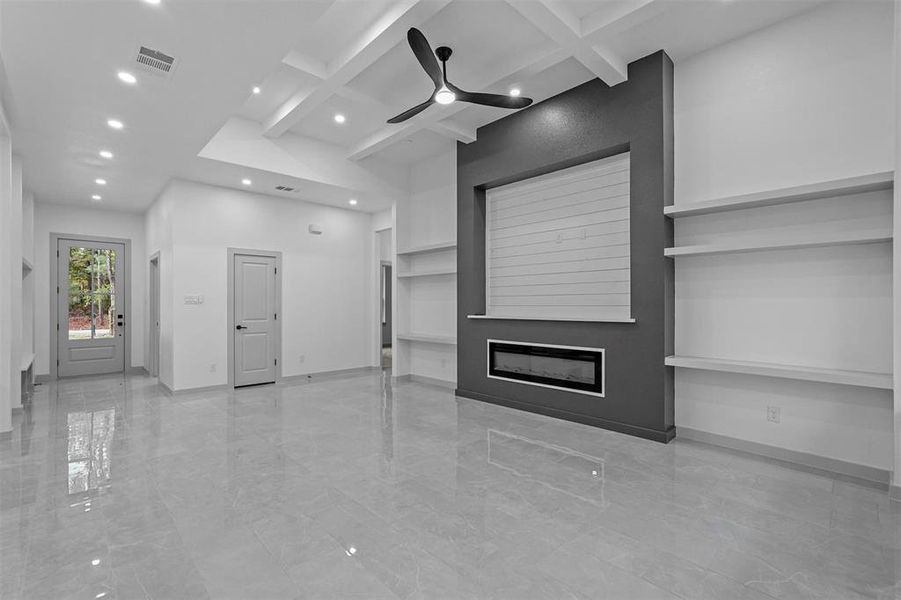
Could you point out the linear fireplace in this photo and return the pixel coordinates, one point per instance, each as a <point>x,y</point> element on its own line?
<point>570,368</point>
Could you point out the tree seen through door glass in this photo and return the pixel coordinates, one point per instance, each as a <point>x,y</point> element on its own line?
<point>92,293</point>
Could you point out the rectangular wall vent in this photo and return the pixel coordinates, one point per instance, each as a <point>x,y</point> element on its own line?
<point>284,188</point>
<point>156,62</point>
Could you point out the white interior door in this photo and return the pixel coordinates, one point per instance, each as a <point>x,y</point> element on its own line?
<point>91,318</point>
<point>255,320</point>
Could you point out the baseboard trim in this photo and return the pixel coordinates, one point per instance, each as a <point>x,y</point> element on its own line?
<point>833,467</point>
<point>432,381</point>
<point>199,390</point>
<point>894,493</point>
<point>642,432</point>
<point>319,375</point>
<point>47,377</point>
<point>290,380</point>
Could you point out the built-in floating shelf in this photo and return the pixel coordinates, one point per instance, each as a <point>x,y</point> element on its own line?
<point>819,241</point>
<point>813,191</point>
<point>428,338</point>
<point>27,267</point>
<point>599,320</point>
<point>855,378</point>
<point>431,273</point>
<point>428,248</point>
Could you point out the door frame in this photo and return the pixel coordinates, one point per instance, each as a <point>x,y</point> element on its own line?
<point>230,321</point>
<point>376,289</point>
<point>153,308</point>
<point>54,302</point>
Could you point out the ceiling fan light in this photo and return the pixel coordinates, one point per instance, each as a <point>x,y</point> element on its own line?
<point>445,96</point>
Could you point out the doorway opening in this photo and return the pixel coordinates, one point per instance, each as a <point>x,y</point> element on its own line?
<point>90,316</point>
<point>386,299</point>
<point>254,317</point>
<point>153,361</point>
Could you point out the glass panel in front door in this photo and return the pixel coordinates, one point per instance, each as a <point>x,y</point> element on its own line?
<point>92,293</point>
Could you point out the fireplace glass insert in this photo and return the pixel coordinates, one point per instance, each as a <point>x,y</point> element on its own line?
<point>564,367</point>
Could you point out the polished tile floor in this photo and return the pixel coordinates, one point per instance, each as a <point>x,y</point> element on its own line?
<point>349,488</point>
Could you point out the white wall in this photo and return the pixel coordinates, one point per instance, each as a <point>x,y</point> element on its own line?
<point>427,304</point>
<point>325,279</point>
<point>158,222</point>
<point>51,218</point>
<point>15,282</point>
<point>896,480</point>
<point>806,100</point>
<point>27,339</point>
<point>9,267</point>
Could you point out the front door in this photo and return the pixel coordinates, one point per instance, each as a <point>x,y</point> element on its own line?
<point>91,318</point>
<point>255,319</point>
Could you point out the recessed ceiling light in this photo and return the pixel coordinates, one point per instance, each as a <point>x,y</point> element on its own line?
<point>152,1</point>
<point>256,89</point>
<point>127,77</point>
<point>106,154</point>
<point>95,562</point>
<point>352,201</point>
<point>115,124</point>
<point>246,181</point>
<point>339,118</point>
<point>515,92</point>
<point>100,181</point>
<point>96,198</point>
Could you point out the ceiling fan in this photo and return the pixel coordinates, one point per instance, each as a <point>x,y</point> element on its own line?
<point>446,92</point>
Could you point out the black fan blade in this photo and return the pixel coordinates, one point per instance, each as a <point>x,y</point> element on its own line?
<point>412,112</point>
<point>498,100</point>
<point>425,56</point>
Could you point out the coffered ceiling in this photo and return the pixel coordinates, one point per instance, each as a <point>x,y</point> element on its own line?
<point>311,61</point>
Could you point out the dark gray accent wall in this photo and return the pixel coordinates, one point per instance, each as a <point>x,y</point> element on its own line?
<point>586,123</point>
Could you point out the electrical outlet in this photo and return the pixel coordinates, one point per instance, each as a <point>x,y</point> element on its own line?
<point>301,359</point>
<point>773,414</point>
<point>212,367</point>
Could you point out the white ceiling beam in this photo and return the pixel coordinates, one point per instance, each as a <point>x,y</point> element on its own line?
<point>318,71</point>
<point>467,135</point>
<point>562,26</point>
<point>306,64</point>
<point>391,134</point>
<point>376,41</point>
<point>579,38</point>
<point>616,17</point>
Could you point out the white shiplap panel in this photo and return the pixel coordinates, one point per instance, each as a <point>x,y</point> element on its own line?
<point>572,225</point>
<point>557,237</point>
<point>559,245</point>
<point>561,278</point>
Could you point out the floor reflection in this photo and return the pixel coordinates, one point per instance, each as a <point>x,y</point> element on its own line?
<point>89,444</point>
<point>556,467</point>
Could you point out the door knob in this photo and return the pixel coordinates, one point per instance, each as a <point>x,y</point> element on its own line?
<point>240,327</point>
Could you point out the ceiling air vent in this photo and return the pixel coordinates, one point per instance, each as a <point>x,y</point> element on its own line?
<point>284,188</point>
<point>154,61</point>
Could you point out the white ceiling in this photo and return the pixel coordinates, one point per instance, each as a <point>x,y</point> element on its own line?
<point>312,59</point>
